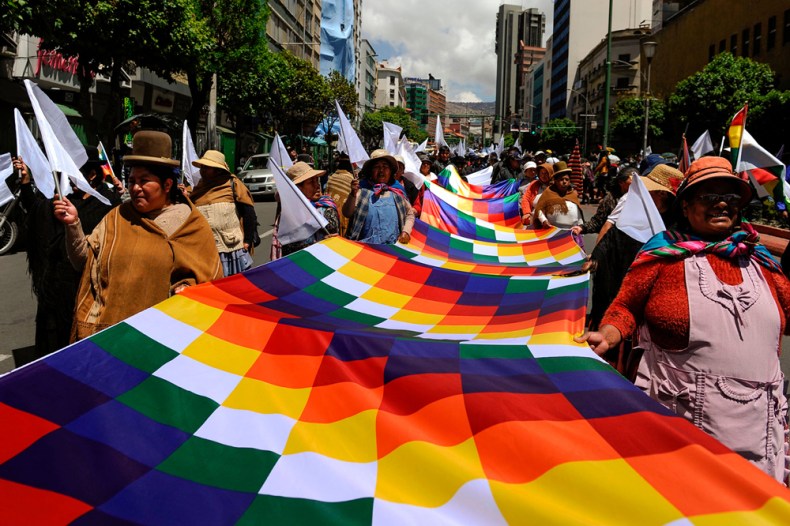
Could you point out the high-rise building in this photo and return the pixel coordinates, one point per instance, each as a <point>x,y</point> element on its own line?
<point>295,25</point>
<point>367,74</point>
<point>391,89</point>
<point>519,33</point>
<point>426,99</point>
<point>579,25</point>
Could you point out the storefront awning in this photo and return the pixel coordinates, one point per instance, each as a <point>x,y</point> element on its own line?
<point>68,111</point>
<point>226,131</point>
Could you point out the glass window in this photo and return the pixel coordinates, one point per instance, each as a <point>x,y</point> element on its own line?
<point>771,40</point>
<point>758,37</point>
<point>745,42</point>
<point>734,44</point>
<point>711,52</point>
<point>786,33</point>
<point>722,46</point>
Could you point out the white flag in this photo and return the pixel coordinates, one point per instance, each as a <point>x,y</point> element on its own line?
<point>501,146</point>
<point>27,148</point>
<point>279,154</point>
<point>421,147</point>
<point>702,145</point>
<point>482,177</point>
<point>190,172</point>
<point>438,137</point>
<point>298,217</point>
<point>411,164</point>
<point>60,158</point>
<point>6,169</point>
<point>391,137</point>
<point>350,143</point>
<point>517,144</point>
<point>640,218</point>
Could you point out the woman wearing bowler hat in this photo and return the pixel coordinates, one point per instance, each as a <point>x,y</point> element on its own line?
<point>143,251</point>
<point>710,305</point>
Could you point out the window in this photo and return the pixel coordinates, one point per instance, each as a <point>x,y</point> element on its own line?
<point>771,40</point>
<point>734,44</point>
<point>392,80</point>
<point>786,33</point>
<point>392,93</point>
<point>722,46</point>
<point>711,52</point>
<point>625,57</point>
<point>745,42</point>
<point>622,83</point>
<point>758,38</point>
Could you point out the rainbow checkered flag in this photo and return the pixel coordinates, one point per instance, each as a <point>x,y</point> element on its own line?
<point>106,166</point>
<point>735,134</point>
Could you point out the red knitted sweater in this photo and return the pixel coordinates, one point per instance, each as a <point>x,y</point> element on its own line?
<point>655,292</point>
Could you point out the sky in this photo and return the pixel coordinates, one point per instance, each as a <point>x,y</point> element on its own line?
<point>451,39</point>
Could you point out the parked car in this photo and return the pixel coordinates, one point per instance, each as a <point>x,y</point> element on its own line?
<point>257,177</point>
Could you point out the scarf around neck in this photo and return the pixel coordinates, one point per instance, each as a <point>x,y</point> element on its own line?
<point>674,244</point>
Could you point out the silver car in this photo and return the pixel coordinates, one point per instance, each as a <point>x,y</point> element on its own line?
<point>257,177</point>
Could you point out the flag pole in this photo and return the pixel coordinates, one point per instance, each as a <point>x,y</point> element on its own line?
<point>57,184</point>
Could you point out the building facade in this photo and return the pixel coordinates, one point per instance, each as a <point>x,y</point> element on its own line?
<point>367,78</point>
<point>295,26</point>
<point>579,25</point>
<point>519,34</point>
<point>391,91</point>
<point>686,42</point>
<point>426,100</point>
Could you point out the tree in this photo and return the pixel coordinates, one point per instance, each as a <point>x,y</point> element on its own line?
<point>628,123</point>
<point>559,134</point>
<point>708,99</point>
<point>342,90</point>
<point>372,129</point>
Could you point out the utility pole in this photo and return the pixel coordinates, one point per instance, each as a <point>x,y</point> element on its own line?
<point>608,87</point>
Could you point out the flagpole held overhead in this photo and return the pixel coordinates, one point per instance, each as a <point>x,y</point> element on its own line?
<point>350,143</point>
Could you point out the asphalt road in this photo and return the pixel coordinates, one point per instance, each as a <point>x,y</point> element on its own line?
<point>18,306</point>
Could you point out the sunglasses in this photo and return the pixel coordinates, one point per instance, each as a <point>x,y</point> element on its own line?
<point>711,199</point>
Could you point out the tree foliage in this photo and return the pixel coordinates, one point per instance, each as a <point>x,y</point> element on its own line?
<point>559,134</point>
<point>372,129</point>
<point>709,98</point>
<point>628,123</point>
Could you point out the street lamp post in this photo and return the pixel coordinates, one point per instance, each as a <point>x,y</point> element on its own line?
<point>586,116</point>
<point>649,49</point>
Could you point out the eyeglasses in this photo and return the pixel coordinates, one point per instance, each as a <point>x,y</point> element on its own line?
<point>710,199</point>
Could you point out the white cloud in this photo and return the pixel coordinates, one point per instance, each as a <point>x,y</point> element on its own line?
<point>451,39</point>
<point>467,96</point>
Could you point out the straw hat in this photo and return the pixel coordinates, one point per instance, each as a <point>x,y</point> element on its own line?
<point>212,159</point>
<point>663,177</point>
<point>707,168</point>
<point>381,153</point>
<point>151,147</point>
<point>301,172</point>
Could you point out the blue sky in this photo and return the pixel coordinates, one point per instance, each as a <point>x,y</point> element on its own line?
<point>453,40</point>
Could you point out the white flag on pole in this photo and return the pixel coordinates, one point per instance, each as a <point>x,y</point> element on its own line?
<point>298,217</point>
<point>27,148</point>
<point>501,146</point>
<point>422,146</point>
<point>190,172</point>
<point>411,164</point>
<point>702,145</point>
<point>391,137</point>
<point>640,218</point>
<point>438,138</point>
<point>60,158</point>
<point>279,154</point>
<point>6,169</point>
<point>349,140</point>
<point>517,144</point>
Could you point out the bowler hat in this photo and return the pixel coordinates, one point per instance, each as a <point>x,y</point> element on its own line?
<point>151,147</point>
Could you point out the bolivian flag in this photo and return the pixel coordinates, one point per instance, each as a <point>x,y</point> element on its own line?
<point>735,134</point>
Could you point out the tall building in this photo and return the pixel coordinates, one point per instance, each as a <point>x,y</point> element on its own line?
<point>427,99</point>
<point>519,33</point>
<point>579,25</point>
<point>295,25</point>
<point>367,73</point>
<point>338,50</point>
<point>391,91</point>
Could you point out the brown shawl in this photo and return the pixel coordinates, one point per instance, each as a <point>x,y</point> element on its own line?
<point>217,189</point>
<point>133,265</point>
<point>551,202</point>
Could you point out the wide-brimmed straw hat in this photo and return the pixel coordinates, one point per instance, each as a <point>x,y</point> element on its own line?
<point>212,159</point>
<point>663,177</point>
<point>301,172</point>
<point>151,147</point>
<point>381,153</point>
<point>707,168</point>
